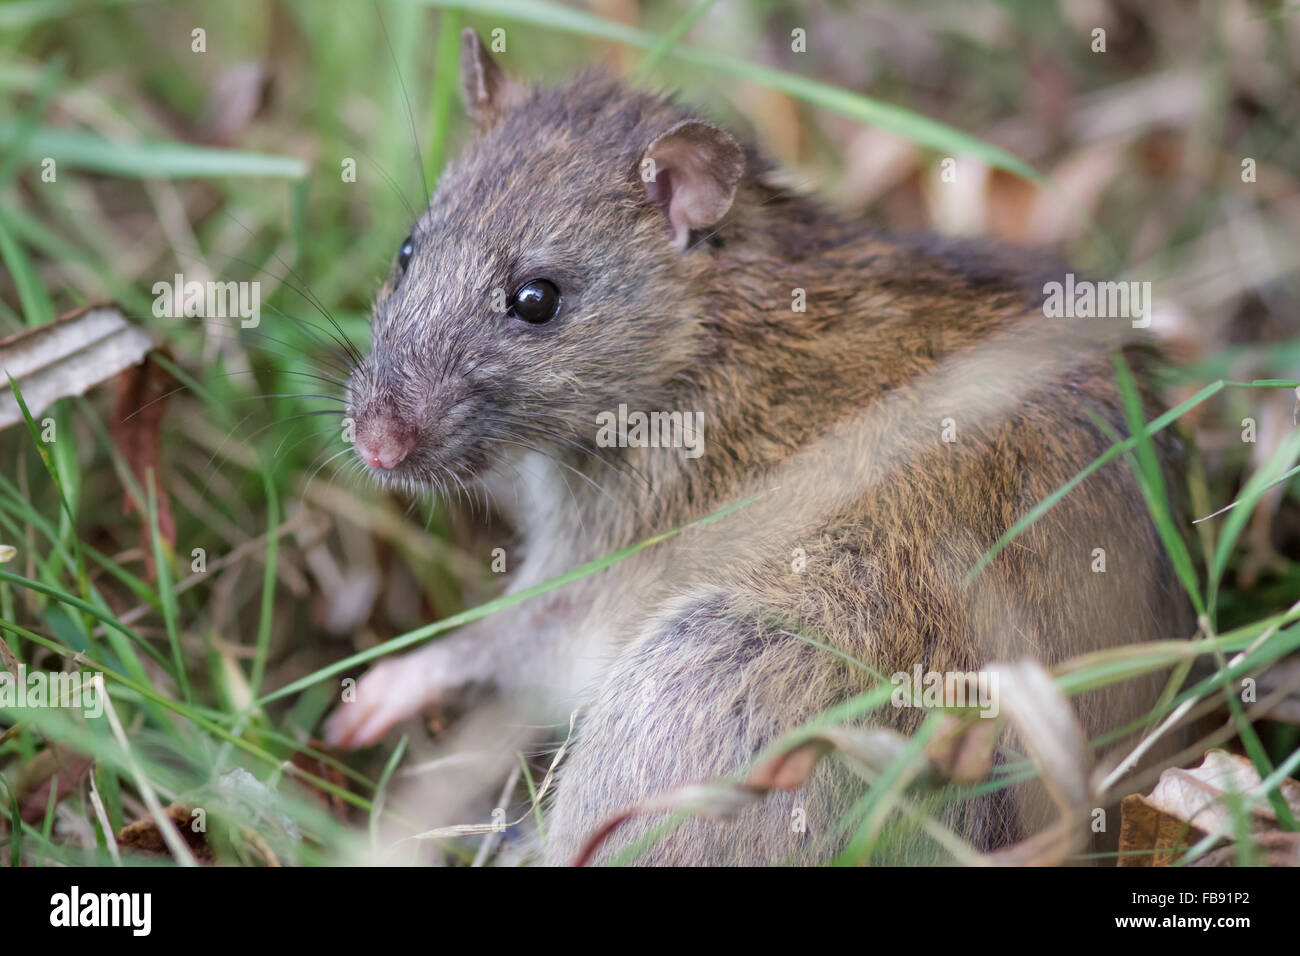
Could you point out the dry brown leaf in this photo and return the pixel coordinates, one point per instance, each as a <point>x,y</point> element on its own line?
<point>54,763</point>
<point>143,836</point>
<point>869,750</point>
<point>1049,730</point>
<point>137,432</point>
<point>718,800</point>
<point>1186,805</point>
<point>1275,848</point>
<point>1148,837</point>
<point>962,750</point>
<point>330,774</point>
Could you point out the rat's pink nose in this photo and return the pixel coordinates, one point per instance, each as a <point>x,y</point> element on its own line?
<point>387,451</point>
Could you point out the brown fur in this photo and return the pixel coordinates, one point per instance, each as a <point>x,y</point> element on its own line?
<point>683,656</point>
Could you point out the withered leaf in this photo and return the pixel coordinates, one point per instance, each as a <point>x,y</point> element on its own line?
<point>67,357</point>
<point>55,763</point>
<point>143,836</point>
<point>137,432</point>
<point>1186,805</point>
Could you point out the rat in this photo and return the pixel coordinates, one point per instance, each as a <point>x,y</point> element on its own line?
<point>600,256</point>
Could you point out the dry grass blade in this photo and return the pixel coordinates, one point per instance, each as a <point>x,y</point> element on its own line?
<point>476,829</point>
<point>718,800</point>
<point>171,836</point>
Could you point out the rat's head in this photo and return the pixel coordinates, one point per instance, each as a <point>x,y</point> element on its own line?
<point>557,273</point>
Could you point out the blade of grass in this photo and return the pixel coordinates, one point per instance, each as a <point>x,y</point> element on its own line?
<point>51,468</point>
<point>1254,746</point>
<point>669,41</point>
<point>381,794</point>
<point>1272,484</point>
<point>27,124</point>
<point>193,714</point>
<point>58,249</point>
<point>74,149</point>
<point>1156,425</point>
<point>885,792</point>
<point>15,825</point>
<point>1250,495</point>
<point>166,592</point>
<point>166,828</point>
<point>127,657</point>
<point>107,835</point>
<point>443,95</point>
<point>47,827</point>
<point>912,126</point>
<point>1151,482</point>
<point>266,616</point>
<point>32,297</point>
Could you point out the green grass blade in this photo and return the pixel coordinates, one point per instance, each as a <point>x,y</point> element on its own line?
<point>74,149</point>
<point>266,615</point>
<point>166,592</point>
<point>910,125</point>
<point>32,297</point>
<point>381,793</point>
<point>1156,424</point>
<point>445,93</point>
<point>1151,481</point>
<point>145,690</point>
<point>1235,523</point>
<point>669,41</point>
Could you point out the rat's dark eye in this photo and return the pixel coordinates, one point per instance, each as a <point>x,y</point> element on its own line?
<point>536,301</point>
<point>404,254</point>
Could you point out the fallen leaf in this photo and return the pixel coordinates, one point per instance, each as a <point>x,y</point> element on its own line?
<point>870,750</point>
<point>721,801</point>
<point>1186,805</point>
<point>143,836</point>
<point>331,801</point>
<point>67,357</point>
<point>962,749</point>
<point>54,763</point>
<point>1148,837</point>
<point>137,432</point>
<point>235,804</point>
<point>1275,848</point>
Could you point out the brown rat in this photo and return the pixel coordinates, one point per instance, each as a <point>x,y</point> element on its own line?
<point>896,406</point>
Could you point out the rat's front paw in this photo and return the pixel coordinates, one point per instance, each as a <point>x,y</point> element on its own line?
<point>394,690</point>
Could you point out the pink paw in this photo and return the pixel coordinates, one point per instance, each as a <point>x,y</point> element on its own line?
<point>393,691</point>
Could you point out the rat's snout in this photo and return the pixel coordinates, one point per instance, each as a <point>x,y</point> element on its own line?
<point>383,442</point>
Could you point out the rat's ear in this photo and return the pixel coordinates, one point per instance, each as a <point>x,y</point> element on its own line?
<point>690,173</point>
<point>484,86</point>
